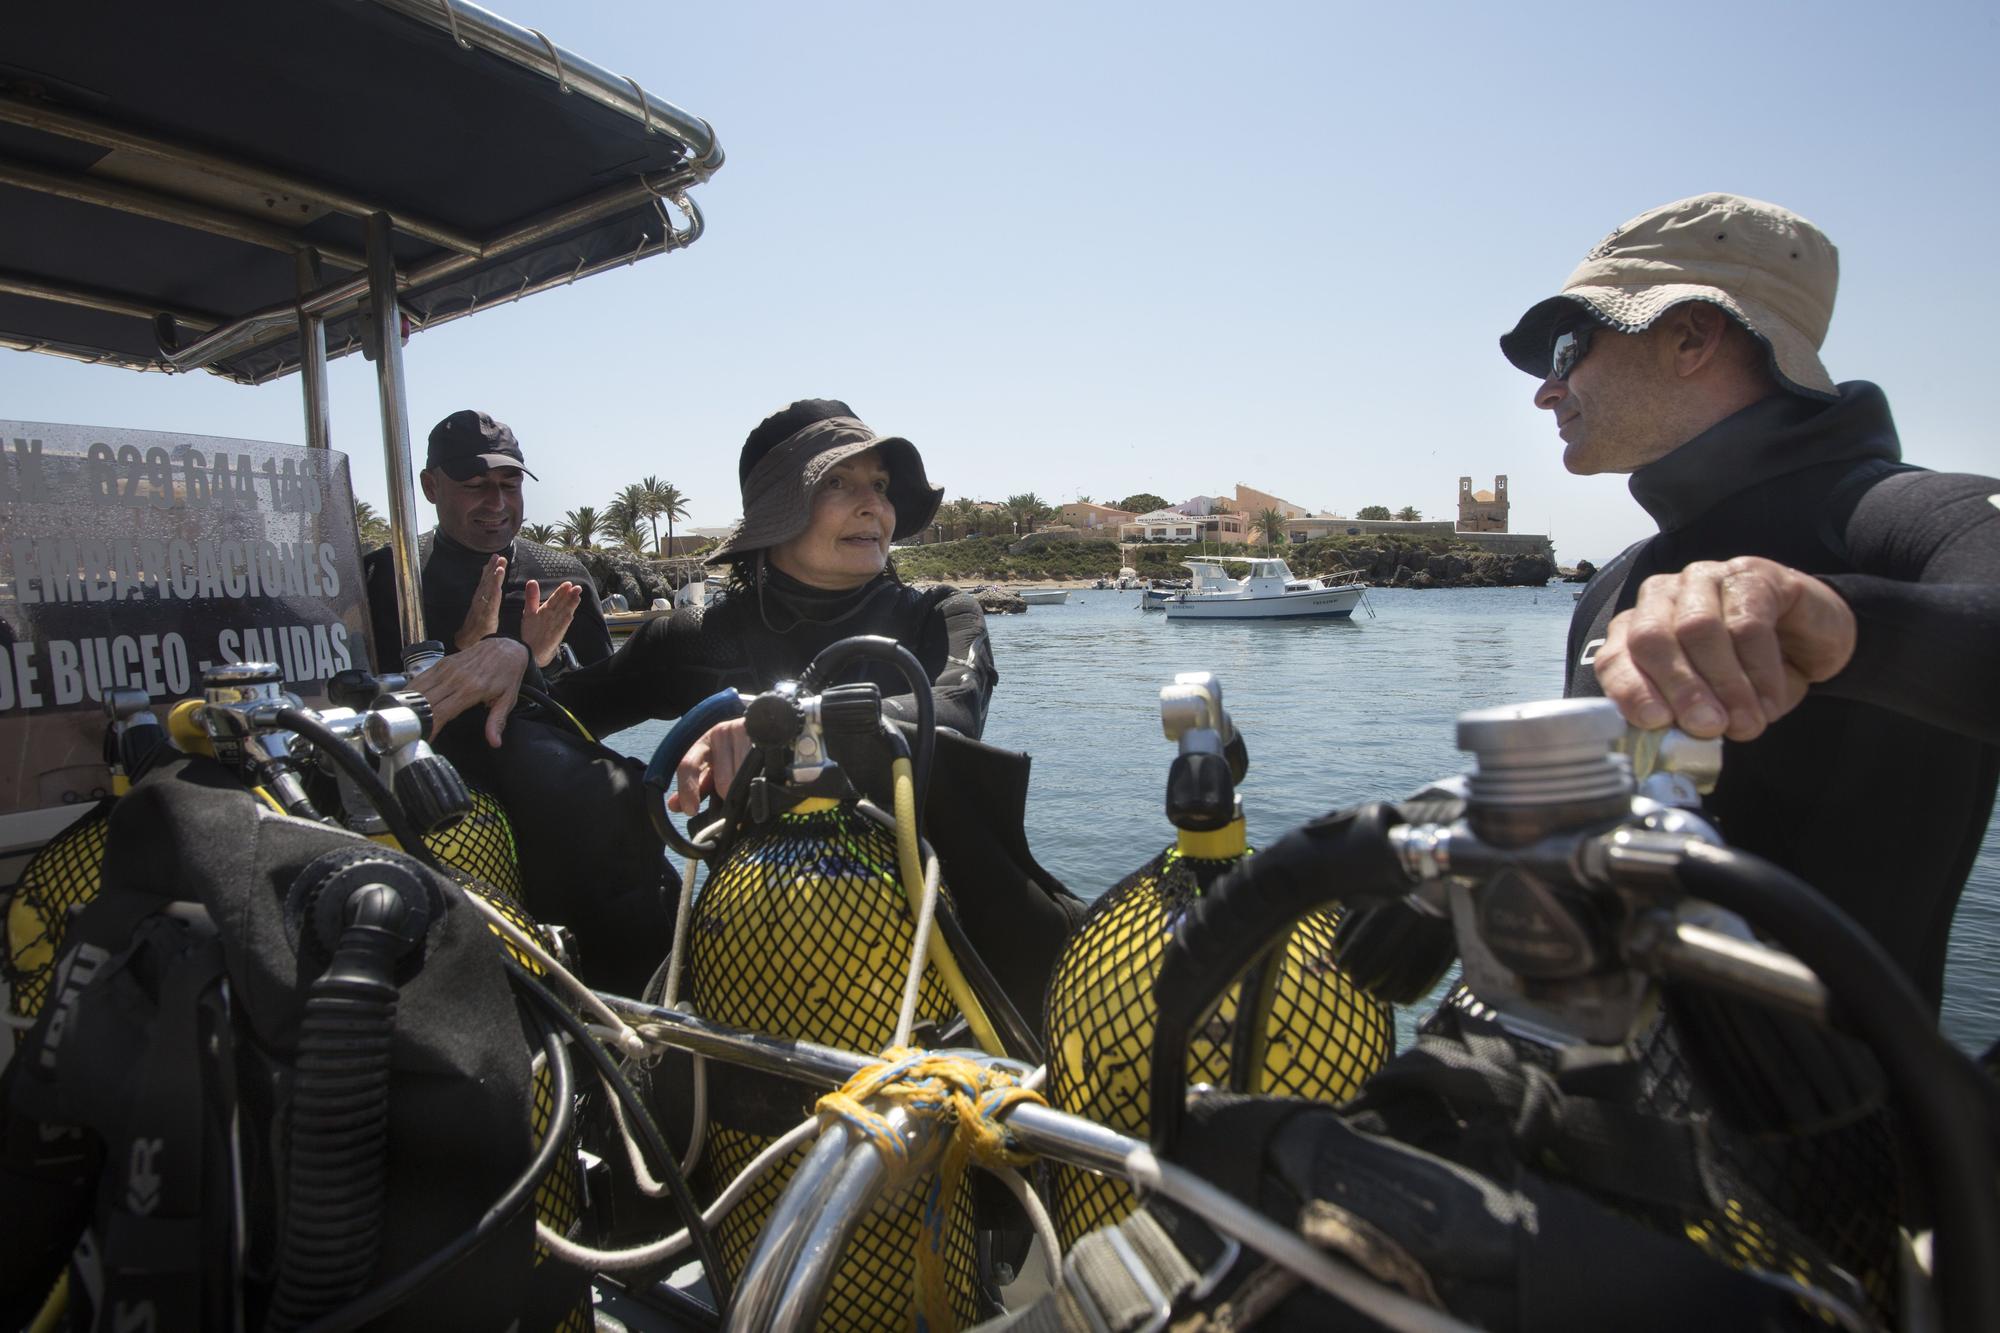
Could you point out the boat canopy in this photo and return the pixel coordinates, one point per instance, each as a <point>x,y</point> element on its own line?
<point>1260,567</point>
<point>195,187</point>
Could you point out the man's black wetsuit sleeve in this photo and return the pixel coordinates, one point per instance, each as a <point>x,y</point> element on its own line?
<point>1926,600</point>
<point>588,636</point>
<point>952,645</point>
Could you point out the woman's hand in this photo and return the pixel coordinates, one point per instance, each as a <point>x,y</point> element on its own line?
<point>489,672</point>
<point>710,765</point>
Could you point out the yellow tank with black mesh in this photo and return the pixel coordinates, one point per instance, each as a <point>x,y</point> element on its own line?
<point>68,869</point>
<point>1322,1034</point>
<point>64,874</point>
<point>803,930</point>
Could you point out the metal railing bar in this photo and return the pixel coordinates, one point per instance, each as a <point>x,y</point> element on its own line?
<point>473,27</point>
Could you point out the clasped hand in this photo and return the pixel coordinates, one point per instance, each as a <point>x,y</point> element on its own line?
<point>1724,648</point>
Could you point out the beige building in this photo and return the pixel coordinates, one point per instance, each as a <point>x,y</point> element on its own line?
<point>1094,520</point>
<point>1171,525</point>
<point>1482,511</point>
<point>1250,502</point>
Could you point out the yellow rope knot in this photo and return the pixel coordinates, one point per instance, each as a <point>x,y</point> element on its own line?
<point>936,1086</point>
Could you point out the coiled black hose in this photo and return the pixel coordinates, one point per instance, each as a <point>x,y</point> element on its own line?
<point>1934,1083</point>
<point>1342,857</point>
<point>665,1166</point>
<point>336,1169</point>
<point>555,1140</point>
<point>821,670</point>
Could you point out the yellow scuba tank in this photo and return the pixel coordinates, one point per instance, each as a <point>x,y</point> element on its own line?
<point>805,928</point>
<point>1317,1034</point>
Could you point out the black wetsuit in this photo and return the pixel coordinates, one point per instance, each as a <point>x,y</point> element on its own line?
<point>1878,787</point>
<point>451,574</point>
<point>750,642</point>
<point>589,858</point>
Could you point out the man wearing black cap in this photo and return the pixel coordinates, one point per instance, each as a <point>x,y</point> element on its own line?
<point>588,857</point>
<point>480,577</point>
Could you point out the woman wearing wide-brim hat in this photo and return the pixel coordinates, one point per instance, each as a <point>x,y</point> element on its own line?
<point>824,498</point>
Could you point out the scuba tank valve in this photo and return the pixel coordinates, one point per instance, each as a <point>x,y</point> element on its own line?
<point>247,720</point>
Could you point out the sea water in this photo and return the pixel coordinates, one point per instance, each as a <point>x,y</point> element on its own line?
<point>1333,712</point>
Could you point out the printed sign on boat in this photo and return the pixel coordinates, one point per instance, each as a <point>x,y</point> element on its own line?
<point>139,559</point>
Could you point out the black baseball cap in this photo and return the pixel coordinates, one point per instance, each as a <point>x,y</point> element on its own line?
<point>467,444</point>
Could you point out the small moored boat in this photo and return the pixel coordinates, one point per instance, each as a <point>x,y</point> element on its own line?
<point>1267,590</point>
<point>1043,596</point>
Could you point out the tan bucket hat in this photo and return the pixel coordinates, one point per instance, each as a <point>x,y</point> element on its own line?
<point>1768,267</point>
<point>791,451</point>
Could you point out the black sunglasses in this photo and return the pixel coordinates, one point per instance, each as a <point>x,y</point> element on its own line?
<point>1570,347</point>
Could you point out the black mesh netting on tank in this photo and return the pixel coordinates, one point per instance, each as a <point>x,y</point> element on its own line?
<point>1323,1035</point>
<point>803,930</point>
<point>1820,1208</point>
<point>63,875</point>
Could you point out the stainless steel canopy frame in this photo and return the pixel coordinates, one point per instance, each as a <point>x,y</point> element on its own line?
<point>154,181</point>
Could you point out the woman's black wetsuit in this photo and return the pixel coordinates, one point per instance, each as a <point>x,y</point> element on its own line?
<point>756,636</point>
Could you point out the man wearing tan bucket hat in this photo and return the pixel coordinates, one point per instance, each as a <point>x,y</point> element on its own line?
<point>1832,612</point>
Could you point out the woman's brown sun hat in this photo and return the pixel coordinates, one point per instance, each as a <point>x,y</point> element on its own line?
<point>1772,270</point>
<point>792,450</point>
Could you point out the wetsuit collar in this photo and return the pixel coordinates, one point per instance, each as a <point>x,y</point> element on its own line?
<point>818,605</point>
<point>1774,436</point>
<point>464,552</point>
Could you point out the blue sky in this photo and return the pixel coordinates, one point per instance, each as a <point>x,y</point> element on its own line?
<point>1095,249</point>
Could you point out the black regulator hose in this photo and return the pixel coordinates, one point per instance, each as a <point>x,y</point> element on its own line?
<point>666,1167</point>
<point>336,1165</point>
<point>820,672</point>
<point>1341,857</point>
<point>371,784</point>
<point>1935,1084</point>
<point>555,1139</point>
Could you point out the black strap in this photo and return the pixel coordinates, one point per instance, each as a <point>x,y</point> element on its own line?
<point>152,1191</point>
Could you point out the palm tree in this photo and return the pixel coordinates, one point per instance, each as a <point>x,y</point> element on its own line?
<point>1025,509</point>
<point>542,534</point>
<point>580,525</point>
<point>620,520</point>
<point>1271,525</point>
<point>964,515</point>
<point>670,505</point>
<point>1409,514</point>
<point>372,527</point>
<point>662,499</point>
<point>633,501</point>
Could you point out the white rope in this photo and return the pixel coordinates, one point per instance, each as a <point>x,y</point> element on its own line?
<point>1038,1216</point>
<point>621,1032</point>
<point>643,1256</point>
<point>920,941</point>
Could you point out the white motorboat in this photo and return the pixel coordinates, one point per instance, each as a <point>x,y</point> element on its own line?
<point>1267,590</point>
<point>1043,596</point>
